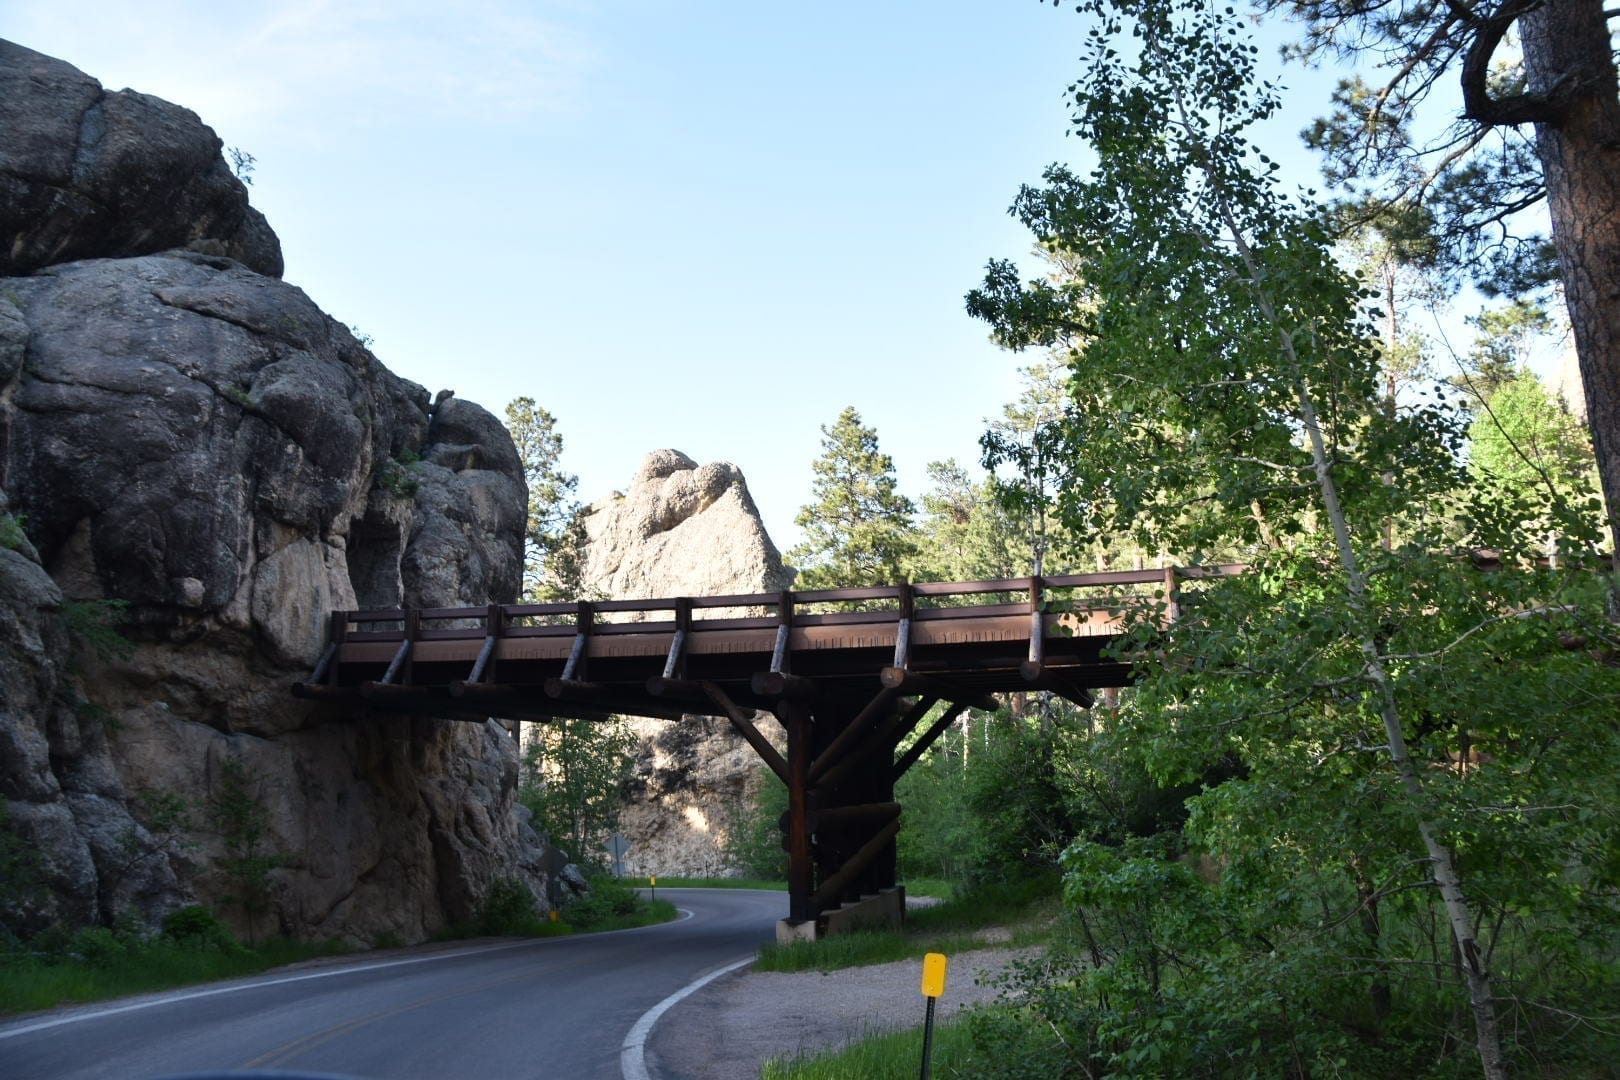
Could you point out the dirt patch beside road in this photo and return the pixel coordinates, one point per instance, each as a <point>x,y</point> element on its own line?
<point>727,1030</point>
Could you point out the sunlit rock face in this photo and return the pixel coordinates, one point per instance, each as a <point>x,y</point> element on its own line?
<point>683,529</point>
<point>195,450</point>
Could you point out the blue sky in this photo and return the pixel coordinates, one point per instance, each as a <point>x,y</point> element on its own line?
<point>701,225</point>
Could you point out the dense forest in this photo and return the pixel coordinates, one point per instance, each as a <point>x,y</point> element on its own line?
<point>1358,815</point>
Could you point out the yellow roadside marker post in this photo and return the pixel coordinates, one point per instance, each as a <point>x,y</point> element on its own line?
<point>653,881</point>
<point>933,985</point>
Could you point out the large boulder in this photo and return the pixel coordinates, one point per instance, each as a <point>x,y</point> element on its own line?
<point>683,529</point>
<point>86,173</point>
<point>198,466</point>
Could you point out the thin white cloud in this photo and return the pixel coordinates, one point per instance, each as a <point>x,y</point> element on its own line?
<point>249,64</point>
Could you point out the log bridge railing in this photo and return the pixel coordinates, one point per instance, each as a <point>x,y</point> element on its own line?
<point>850,673</point>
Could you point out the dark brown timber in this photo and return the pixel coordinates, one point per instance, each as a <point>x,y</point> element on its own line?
<point>850,672</point>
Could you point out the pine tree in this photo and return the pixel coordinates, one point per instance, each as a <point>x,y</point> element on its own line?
<point>966,534</point>
<point>857,528</point>
<point>1506,339</point>
<point>553,533</point>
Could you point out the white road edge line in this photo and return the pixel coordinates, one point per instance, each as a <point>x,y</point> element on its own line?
<point>632,1055</point>
<point>169,999</point>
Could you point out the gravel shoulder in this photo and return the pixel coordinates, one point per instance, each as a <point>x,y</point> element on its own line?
<point>727,1030</point>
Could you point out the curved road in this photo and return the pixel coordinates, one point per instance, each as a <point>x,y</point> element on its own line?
<point>548,1007</point>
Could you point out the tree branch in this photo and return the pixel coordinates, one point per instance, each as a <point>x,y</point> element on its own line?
<point>1478,105</point>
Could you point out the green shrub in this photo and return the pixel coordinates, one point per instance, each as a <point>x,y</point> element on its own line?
<point>509,911</point>
<point>388,939</point>
<point>608,899</point>
<point>398,478</point>
<point>195,927</point>
<point>97,623</point>
<point>753,837</point>
<point>21,883</point>
<point>98,946</point>
<point>11,531</point>
<point>242,822</point>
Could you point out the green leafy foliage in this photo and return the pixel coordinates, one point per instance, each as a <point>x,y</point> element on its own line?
<point>98,625</point>
<point>753,835</point>
<point>241,821</point>
<point>554,533</point>
<point>892,1055</point>
<point>1028,440</point>
<point>167,820</point>
<point>1019,913</point>
<point>609,898</point>
<point>12,534</point>
<point>398,477</point>
<point>985,804</point>
<point>510,910</point>
<point>1381,848</point>
<point>196,927</point>
<point>1525,441</point>
<point>22,884</point>
<point>573,771</point>
<point>1506,339</point>
<point>964,532</point>
<point>92,964</point>
<point>857,528</point>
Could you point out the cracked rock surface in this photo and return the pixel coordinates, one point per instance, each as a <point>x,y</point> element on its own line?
<point>85,172</point>
<point>197,465</point>
<point>684,529</point>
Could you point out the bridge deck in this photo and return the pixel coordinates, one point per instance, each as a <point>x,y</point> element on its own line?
<point>853,674</point>
<point>968,639</point>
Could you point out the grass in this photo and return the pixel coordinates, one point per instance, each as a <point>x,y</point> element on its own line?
<point>96,964</point>
<point>1026,909</point>
<point>651,912</point>
<point>896,1055</point>
<point>930,887</point>
<point>30,983</point>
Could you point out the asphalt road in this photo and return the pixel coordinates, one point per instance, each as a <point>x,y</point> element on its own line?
<point>551,1007</point>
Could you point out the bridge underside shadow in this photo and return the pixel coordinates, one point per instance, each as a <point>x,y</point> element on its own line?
<point>854,676</point>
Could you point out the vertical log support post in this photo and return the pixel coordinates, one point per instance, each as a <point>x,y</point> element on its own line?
<point>494,625</point>
<point>902,632</point>
<point>878,787</point>
<point>781,655</point>
<point>1037,625</point>
<point>582,636</point>
<point>675,663</point>
<point>857,856</point>
<point>801,875</point>
<point>399,668</point>
<point>413,630</point>
<point>337,630</point>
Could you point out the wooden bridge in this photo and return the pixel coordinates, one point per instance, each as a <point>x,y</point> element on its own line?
<point>852,674</point>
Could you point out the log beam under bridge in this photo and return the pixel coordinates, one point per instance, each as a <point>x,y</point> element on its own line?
<point>852,674</point>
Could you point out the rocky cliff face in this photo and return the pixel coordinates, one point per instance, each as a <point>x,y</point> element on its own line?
<point>682,529</point>
<point>86,173</point>
<point>200,465</point>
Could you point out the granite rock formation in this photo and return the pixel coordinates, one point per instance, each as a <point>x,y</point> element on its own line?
<point>199,464</point>
<point>683,529</point>
<point>85,172</point>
